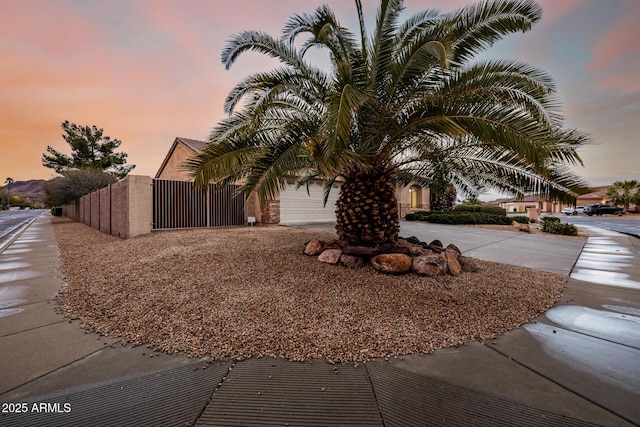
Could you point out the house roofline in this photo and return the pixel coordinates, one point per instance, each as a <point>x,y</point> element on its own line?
<point>186,143</point>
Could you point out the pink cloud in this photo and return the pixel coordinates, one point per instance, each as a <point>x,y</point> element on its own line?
<point>553,10</point>
<point>616,55</point>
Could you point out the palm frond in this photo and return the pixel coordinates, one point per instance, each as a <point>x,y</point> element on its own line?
<point>476,27</point>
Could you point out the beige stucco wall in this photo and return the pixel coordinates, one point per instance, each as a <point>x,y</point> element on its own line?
<point>105,210</point>
<point>122,209</point>
<point>139,201</point>
<point>95,209</point>
<point>86,210</point>
<point>173,168</point>
<point>403,196</point>
<point>119,206</point>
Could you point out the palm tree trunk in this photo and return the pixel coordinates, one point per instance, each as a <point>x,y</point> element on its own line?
<point>367,209</point>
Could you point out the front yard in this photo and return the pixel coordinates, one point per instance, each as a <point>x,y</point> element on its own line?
<point>250,292</point>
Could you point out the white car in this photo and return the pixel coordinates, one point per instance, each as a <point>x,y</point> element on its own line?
<point>579,210</point>
<point>570,211</point>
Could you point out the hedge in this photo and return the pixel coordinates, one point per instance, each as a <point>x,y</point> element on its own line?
<point>488,209</point>
<point>560,228</point>
<point>468,218</point>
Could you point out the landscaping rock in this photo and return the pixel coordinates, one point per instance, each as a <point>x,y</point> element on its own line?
<point>429,265</point>
<point>435,248</point>
<point>521,227</point>
<point>394,249</point>
<point>359,250</point>
<point>330,256</point>
<point>437,243</point>
<point>335,244</point>
<point>414,240</point>
<point>419,250</point>
<point>412,246</point>
<point>391,263</point>
<point>454,248</point>
<point>351,261</point>
<point>468,265</point>
<point>451,258</point>
<point>314,248</point>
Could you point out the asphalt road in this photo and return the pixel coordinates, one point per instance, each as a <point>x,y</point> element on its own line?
<point>608,222</point>
<point>11,220</point>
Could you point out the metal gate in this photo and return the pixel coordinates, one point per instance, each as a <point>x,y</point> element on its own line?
<point>180,204</point>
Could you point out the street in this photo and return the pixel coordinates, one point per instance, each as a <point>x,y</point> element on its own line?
<point>11,220</point>
<point>608,222</point>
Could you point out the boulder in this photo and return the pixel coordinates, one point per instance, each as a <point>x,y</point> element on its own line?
<point>521,227</point>
<point>351,261</point>
<point>335,244</point>
<point>413,239</point>
<point>314,248</point>
<point>419,250</point>
<point>435,248</point>
<point>394,249</point>
<point>330,256</point>
<point>413,247</point>
<point>468,265</point>
<point>359,250</point>
<point>454,248</point>
<point>429,265</point>
<point>451,258</point>
<point>437,243</point>
<point>391,263</point>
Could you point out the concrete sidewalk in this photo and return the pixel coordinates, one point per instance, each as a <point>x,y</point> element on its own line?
<point>577,364</point>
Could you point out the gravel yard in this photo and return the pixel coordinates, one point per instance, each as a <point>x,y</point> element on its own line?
<point>250,292</point>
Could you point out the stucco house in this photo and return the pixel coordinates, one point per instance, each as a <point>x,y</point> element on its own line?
<point>293,206</point>
<point>598,195</point>
<point>521,204</point>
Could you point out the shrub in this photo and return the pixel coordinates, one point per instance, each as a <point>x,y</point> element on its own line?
<point>488,209</point>
<point>547,222</point>
<point>560,228</point>
<point>466,208</point>
<point>56,211</point>
<point>417,216</point>
<point>467,218</point>
<point>493,210</point>
<point>550,219</point>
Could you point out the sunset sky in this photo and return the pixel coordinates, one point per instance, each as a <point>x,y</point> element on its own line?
<point>147,71</point>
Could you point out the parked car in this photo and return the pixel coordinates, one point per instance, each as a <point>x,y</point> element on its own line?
<point>569,211</point>
<point>600,209</point>
<point>579,210</point>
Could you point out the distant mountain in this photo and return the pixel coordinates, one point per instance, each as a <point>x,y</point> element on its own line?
<point>31,189</point>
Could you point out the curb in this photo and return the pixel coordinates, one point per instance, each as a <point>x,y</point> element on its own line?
<point>14,234</point>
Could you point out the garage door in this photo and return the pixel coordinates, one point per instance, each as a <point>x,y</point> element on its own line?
<point>298,207</point>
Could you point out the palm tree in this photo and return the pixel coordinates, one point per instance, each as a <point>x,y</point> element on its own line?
<point>404,104</point>
<point>9,181</point>
<point>624,193</point>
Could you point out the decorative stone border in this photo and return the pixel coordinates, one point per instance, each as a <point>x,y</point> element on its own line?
<point>404,256</point>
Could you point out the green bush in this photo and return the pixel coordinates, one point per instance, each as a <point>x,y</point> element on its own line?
<point>417,216</point>
<point>56,211</point>
<point>488,209</point>
<point>555,227</point>
<point>493,210</point>
<point>520,218</point>
<point>466,208</point>
<point>548,221</point>
<point>467,218</point>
